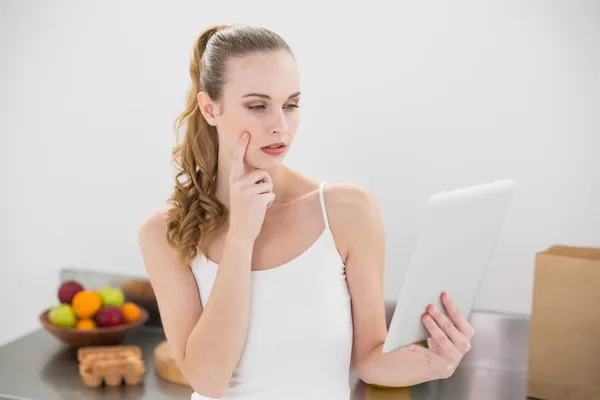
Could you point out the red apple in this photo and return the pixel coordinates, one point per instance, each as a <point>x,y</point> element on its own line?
<point>68,290</point>
<point>109,316</point>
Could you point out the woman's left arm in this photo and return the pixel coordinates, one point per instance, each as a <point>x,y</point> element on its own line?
<point>358,223</point>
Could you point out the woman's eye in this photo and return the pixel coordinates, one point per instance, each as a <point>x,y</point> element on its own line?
<point>262,107</point>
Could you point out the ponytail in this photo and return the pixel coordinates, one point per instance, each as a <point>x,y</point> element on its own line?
<point>196,212</point>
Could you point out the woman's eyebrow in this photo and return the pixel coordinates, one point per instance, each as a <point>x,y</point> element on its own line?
<point>266,96</point>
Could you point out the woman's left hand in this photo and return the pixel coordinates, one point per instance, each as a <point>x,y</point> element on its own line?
<point>450,338</point>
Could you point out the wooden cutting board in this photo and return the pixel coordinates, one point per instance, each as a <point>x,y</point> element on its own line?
<point>374,392</point>
<point>165,366</point>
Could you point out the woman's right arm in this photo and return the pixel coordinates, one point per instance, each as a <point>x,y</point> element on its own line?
<point>207,343</point>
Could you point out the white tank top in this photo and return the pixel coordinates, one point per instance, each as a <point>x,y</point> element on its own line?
<point>299,339</point>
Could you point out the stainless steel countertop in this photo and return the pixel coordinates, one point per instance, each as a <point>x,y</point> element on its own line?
<point>38,366</point>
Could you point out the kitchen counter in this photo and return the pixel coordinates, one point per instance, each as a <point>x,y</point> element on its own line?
<point>38,366</point>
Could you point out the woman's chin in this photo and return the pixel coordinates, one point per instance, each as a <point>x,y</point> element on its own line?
<point>266,162</point>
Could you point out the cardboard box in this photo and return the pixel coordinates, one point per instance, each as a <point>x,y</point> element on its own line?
<point>564,354</point>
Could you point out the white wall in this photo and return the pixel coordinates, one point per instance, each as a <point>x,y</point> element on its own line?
<point>405,100</point>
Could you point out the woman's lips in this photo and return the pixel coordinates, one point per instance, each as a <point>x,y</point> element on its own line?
<point>274,151</point>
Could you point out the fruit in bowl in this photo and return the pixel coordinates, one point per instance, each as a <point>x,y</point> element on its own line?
<point>68,290</point>
<point>62,315</point>
<point>86,303</point>
<point>90,316</point>
<point>85,324</point>
<point>112,296</point>
<point>110,316</point>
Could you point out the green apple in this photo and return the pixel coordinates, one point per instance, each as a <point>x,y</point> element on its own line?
<point>111,297</point>
<point>62,315</point>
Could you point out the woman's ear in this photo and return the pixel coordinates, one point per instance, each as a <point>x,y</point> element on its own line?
<point>207,108</point>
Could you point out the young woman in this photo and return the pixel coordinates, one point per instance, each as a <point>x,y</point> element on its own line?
<point>268,282</point>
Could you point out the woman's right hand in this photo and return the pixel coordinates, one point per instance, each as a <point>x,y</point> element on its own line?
<point>250,194</point>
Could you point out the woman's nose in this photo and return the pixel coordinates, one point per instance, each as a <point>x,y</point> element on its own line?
<point>279,123</point>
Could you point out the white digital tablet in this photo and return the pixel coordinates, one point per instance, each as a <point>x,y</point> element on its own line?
<point>454,245</point>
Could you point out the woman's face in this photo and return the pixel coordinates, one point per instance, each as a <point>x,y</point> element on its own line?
<point>261,96</point>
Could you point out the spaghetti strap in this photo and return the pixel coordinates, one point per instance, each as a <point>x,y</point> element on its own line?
<point>323,208</point>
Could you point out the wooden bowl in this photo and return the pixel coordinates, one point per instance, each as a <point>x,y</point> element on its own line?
<point>101,336</point>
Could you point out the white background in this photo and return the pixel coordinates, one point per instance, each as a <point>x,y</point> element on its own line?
<point>403,98</point>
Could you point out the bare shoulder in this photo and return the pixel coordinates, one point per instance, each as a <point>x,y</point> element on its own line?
<point>154,223</point>
<point>349,195</point>
<point>353,213</point>
<point>350,205</point>
<point>153,227</point>
<point>152,239</point>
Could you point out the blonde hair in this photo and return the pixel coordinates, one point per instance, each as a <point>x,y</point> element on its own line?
<point>196,213</point>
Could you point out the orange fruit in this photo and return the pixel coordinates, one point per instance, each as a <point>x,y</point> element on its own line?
<point>131,312</point>
<point>85,324</point>
<point>86,303</point>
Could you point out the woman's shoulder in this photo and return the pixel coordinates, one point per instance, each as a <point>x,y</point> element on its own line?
<point>152,233</point>
<point>154,222</point>
<point>345,196</point>
<point>349,198</point>
<point>349,205</point>
<point>353,212</point>
<point>153,242</point>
